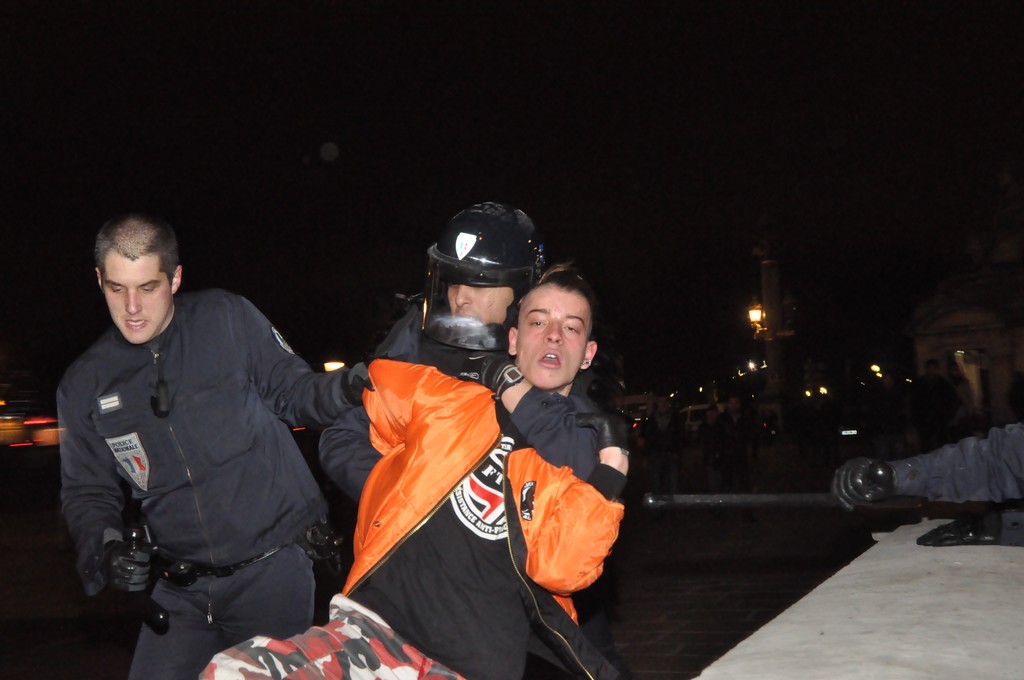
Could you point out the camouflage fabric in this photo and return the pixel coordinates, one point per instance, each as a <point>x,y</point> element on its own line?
<point>355,644</point>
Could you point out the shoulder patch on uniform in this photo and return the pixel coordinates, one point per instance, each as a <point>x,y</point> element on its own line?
<point>463,244</point>
<point>128,451</point>
<point>109,402</point>
<point>281,341</point>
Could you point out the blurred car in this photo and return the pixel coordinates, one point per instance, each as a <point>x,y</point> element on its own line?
<point>24,424</point>
<point>635,407</point>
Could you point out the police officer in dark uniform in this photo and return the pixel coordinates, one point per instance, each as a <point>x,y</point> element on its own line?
<point>973,469</point>
<point>488,256</point>
<point>486,259</point>
<point>186,402</point>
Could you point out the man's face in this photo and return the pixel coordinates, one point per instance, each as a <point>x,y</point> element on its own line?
<point>550,344</point>
<point>487,305</point>
<point>139,296</point>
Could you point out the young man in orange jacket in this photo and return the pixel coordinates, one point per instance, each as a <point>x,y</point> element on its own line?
<point>467,543</point>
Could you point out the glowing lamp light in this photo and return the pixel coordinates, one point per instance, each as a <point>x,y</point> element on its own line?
<point>333,365</point>
<point>756,314</point>
<point>757,318</point>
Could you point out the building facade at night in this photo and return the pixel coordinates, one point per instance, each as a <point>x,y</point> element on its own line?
<point>975,320</point>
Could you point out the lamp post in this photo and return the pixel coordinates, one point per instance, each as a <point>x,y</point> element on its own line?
<point>765,318</point>
<point>771,317</point>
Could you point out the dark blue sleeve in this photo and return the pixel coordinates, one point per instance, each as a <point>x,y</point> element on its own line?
<point>91,494</point>
<point>346,454</point>
<point>286,383</point>
<point>548,422</point>
<point>972,469</point>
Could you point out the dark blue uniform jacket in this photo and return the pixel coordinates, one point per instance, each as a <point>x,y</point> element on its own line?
<point>220,478</point>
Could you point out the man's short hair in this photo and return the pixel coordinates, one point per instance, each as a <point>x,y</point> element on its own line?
<point>567,277</point>
<point>134,235</point>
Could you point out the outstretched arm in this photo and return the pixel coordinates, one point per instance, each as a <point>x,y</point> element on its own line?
<point>972,469</point>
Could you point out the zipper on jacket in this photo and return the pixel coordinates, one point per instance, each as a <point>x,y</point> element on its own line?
<point>526,584</point>
<point>188,474</point>
<point>195,496</point>
<point>433,511</point>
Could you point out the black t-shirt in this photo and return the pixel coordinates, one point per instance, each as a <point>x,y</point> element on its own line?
<point>450,589</point>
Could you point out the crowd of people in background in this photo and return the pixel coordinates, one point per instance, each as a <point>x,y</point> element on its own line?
<point>890,417</point>
<point>727,436</point>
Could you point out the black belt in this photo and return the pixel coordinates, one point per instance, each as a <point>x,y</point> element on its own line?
<point>182,573</point>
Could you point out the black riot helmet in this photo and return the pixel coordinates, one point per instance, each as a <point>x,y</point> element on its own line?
<point>487,245</point>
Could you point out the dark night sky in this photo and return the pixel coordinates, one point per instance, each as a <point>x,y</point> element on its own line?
<point>655,143</point>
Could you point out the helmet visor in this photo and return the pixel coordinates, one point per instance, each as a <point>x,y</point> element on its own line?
<point>459,330</point>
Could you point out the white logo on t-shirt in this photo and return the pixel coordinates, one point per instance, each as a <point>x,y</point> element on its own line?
<point>478,500</point>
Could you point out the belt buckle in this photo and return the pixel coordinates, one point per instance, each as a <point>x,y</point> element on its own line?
<point>181,573</point>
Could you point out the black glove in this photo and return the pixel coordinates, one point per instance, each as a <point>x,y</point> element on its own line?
<point>611,429</point>
<point>355,380</point>
<point>861,480</point>
<point>969,530</point>
<point>127,567</point>
<point>495,371</point>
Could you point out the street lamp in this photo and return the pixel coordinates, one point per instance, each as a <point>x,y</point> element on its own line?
<point>757,319</point>
<point>767,322</point>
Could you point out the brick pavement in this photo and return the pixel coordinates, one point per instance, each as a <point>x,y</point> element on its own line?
<point>693,583</point>
<point>690,584</point>
<point>697,584</point>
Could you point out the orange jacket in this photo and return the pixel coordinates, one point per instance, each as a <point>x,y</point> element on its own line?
<point>433,430</point>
